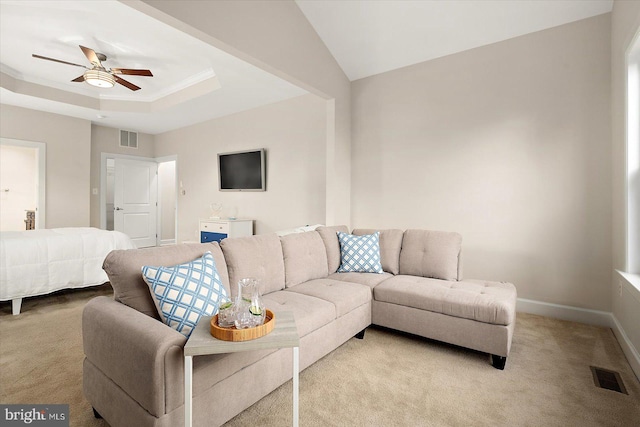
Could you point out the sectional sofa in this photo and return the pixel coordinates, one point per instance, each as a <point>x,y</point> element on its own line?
<point>133,369</point>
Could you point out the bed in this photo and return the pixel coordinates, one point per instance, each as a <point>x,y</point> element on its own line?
<point>38,262</point>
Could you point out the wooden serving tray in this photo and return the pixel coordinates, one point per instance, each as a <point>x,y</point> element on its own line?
<point>233,334</point>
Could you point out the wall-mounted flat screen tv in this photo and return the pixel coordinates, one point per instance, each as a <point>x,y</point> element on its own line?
<point>242,171</point>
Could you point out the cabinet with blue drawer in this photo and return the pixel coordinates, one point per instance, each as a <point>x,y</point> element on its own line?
<point>214,230</point>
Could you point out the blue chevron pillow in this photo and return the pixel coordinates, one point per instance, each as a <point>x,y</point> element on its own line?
<point>186,292</point>
<point>359,253</point>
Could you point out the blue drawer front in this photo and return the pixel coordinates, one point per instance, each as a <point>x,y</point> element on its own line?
<point>206,237</point>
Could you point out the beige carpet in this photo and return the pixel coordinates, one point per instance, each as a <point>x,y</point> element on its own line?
<point>388,378</point>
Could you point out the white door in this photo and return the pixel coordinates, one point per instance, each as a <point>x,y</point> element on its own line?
<point>136,200</point>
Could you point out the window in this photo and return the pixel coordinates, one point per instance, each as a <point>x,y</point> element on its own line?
<point>633,157</point>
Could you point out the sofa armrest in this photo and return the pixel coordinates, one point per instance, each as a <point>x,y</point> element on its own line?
<point>131,349</point>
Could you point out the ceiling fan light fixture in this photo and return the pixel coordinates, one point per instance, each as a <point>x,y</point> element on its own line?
<point>99,78</point>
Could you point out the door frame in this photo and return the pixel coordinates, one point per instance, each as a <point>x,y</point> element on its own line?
<point>165,159</point>
<point>41,182</point>
<point>103,187</point>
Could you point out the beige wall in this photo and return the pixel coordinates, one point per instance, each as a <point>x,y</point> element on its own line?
<point>292,132</point>
<point>277,37</point>
<point>507,144</point>
<point>68,143</point>
<point>107,140</point>
<point>625,24</point>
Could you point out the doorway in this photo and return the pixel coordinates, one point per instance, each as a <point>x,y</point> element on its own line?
<point>22,185</point>
<point>167,201</point>
<point>138,198</point>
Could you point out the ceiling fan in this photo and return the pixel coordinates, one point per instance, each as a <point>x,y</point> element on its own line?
<point>98,75</point>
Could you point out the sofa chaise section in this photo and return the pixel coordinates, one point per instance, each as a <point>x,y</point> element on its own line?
<point>429,298</point>
<point>422,291</point>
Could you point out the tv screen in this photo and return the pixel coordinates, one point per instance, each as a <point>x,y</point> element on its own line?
<point>242,171</point>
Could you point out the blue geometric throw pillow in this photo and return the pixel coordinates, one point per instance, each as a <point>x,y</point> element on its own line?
<point>359,253</point>
<point>186,292</point>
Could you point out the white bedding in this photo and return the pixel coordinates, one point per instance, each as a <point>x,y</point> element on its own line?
<point>38,262</point>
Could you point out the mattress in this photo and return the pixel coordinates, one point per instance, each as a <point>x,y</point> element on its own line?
<point>37,262</point>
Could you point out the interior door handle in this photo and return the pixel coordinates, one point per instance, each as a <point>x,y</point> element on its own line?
<point>118,209</point>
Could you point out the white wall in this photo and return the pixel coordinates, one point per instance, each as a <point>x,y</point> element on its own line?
<point>506,144</point>
<point>18,173</point>
<point>68,142</point>
<point>293,134</point>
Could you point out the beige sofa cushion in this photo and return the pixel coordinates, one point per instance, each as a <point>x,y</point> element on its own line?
<point>332,245</point>
<point>310,313</point>
<point>390,245</point>
<point>305,257</point>
<point>483,301</point>
<point>431,254</point>
<point>369,279</point>
<point>259,257</point>
<point>124,269</point>
<point>345,296</point>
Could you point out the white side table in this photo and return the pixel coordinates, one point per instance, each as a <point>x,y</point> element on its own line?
<point>201,342</point>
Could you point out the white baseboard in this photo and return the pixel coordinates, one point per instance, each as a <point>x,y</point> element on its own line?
<point>566,312</point>
<point>583,315</point>
<point>627,347</point>
<point>166,242</point>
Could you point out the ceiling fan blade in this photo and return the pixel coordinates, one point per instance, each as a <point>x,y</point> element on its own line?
<point>57,60</point>
<point>125,83</point>
<point>91,56</point>
<point>131,72</point>
<point>78,79</point>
